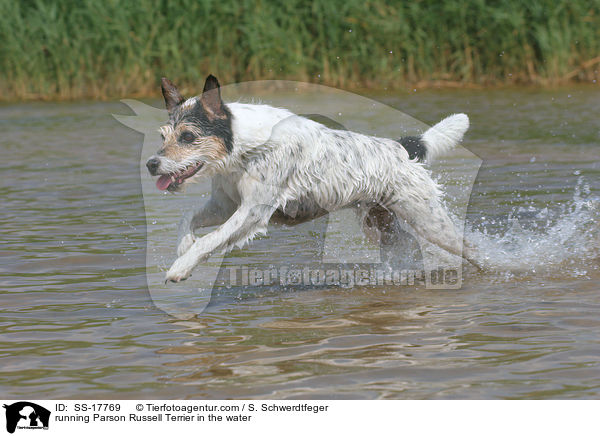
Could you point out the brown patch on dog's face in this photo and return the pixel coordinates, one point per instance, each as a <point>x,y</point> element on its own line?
<point>186,142</point>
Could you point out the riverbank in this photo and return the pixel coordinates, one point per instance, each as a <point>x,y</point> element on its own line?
<point>107,50</point>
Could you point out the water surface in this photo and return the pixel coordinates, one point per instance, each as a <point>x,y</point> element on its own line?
<point>77,320</point>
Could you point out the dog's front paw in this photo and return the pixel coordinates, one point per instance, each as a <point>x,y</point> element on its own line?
<point>185,243</point>
<point>179,271</point>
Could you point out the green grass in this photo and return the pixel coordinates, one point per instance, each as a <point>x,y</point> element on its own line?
<point>111,48</point>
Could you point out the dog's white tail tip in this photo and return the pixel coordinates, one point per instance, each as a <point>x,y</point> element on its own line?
<point>445,135</point>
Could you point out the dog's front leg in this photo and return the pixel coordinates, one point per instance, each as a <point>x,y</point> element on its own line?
<point>215,211</point>
<point>185,233</point>
<point>243,225</point>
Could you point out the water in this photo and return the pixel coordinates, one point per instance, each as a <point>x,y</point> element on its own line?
<point>77,320</point>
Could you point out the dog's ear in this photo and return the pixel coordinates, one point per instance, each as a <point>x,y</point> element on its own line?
<point>211,98</point>
<point>171,94</point>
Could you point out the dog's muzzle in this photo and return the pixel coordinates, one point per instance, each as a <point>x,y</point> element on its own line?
<point>171,181</point>
<point>152,165</point>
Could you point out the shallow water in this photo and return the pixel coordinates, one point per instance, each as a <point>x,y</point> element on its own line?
<point>77,319</point>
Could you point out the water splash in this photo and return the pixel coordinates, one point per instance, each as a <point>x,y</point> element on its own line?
<point>564,241</point>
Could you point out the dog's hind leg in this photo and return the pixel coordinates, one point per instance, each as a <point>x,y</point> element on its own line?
<point>397,246</point>
<point>427,217</point>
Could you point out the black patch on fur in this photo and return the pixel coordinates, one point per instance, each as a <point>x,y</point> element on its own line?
<point>415,147</point>
<point>219,127</point>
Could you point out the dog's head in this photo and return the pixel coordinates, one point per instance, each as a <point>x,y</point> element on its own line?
<point>196,140</point>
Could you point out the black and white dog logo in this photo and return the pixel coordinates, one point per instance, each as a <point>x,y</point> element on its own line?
<point>26,415</point>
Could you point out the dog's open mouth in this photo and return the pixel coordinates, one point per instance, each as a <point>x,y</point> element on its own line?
<point>172,181</point>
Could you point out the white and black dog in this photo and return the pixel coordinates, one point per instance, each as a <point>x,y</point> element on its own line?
<point>267,163</point>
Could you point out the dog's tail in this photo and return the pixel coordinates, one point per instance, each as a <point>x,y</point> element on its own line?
<point>437,140</point>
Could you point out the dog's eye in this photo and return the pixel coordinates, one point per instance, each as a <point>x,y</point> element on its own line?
<point>162,136</point>
<point>187,137</point>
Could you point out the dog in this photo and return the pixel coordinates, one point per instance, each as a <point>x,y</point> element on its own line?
<point>268,164</point>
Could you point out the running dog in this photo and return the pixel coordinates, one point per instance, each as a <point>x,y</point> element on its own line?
<point>267,164</point>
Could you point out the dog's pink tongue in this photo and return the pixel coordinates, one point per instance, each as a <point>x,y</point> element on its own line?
<point>163,182</point>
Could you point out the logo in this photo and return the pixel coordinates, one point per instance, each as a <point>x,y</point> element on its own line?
<point>26,415</point>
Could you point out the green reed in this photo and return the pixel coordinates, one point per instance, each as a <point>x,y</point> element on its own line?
<point>112,48</point>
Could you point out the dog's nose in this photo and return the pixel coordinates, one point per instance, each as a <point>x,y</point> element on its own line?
<point>152,165</point>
